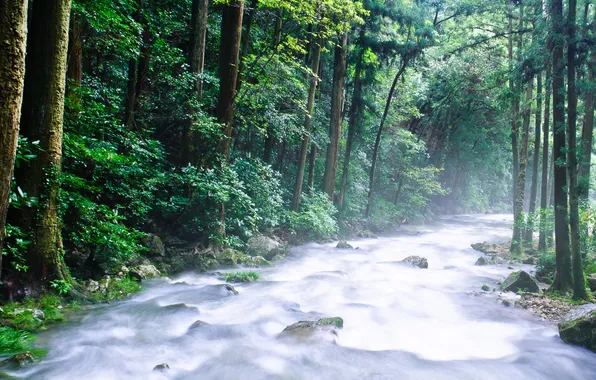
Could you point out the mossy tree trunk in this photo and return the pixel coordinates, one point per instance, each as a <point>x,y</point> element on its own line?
<point>13,29</point>
<point>546,162</point>
<point>41,120</point>
<point>536,161</point>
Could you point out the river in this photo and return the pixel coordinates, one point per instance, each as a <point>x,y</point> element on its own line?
<point>400,322</point>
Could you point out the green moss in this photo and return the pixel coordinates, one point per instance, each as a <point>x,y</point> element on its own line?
<point>117,290</point>
<point>485,288</point>
<point>241,277</point>
<point>335,321</point>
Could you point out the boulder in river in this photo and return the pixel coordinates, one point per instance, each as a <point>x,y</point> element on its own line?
<point>18,361</point>
<point>266,247</point>
<point>231,257</point>
<point>417,261</point>
<point>324,329</point>
<point>592,282</point>
<point>579,327</point>
<point>155,246</point>
<point>161,367</point>
<point>482,261</point>
<point>367,234</point>
<point>144,272</point>
<point>342,244</point>
<point>520,281</point>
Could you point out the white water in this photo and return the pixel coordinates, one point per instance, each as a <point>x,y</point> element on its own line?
<point>400,322</point>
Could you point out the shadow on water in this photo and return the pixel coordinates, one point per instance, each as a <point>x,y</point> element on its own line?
<point>400,322</point>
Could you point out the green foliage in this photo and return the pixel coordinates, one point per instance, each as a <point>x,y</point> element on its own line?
<point>241,277</point>
<point>316,219</point>
<point>117,289</point>
<point>546,266</point>
<point>14,341</point>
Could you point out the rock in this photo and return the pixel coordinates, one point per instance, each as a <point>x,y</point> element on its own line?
<point>485,288</point>
<point>104,284</point>
<point>229,257</point>
<point>253,261</point>
<point>163,367</point>
<point>342,244</point>
<point>197,325</point>
<point>579,327</point>
<point>416,261</point>
<point>230,289</point>
<point>155,246</point>
<point>265,247</point>
<point>18,361</point>
<point>520,280</point>
<point>144,272</point>
<point>483,247</point>
<point>592,282</point>
<point>324,329</point>
<point>91,286</point>
<point>38,314</point>
<point>529,260</point>
<point>367,234</point>
<point>482,261</point>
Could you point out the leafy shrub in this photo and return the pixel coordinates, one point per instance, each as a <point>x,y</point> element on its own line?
<point>13,341</point>
<point>241,277</point>
<point>317,219</point>
<point>546,266</point>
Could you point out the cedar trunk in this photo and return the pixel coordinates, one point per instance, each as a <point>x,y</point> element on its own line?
<point>42,116</point>
<point>546,163</point>
<point>339,71</point>
<point>13,29</point>
<point>534,187</point>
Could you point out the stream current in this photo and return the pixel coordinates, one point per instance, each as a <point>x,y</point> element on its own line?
<point>400,322</point>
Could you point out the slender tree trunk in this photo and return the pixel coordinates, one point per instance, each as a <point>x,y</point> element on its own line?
<point>231,32</point>
<point>534,187</point>
<point>131,86</point>
<point>588,127</point>
<point>311,167</point>
<point>74,73</point>
<point>41,120</point>
<point>517,241</point>
<point>13,29</point>
<point>353,119</point>
<point>142,71</point>
<point>246,41</point>
<point>513,85</point>
<point>316,55</point>
<point>563,279</point>
<point>375,153</point>
<point>579,282</point>
<point>198,34</point>
<point>339,71</point>
<point>546,162</point>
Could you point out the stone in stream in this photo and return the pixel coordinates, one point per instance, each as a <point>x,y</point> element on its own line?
<point>417,261</point>
<point>592,282</point>
<point>342,244</point>
<point>482,261</point>
<point>18,361</point>
<point>324,329</point>
<point>520,281</point>
<point>579,327</point>
<point>231,257</point>
<point>155,245</point>
<point>265,247</point>
<point>163,367</point>
<point>144,272</point>
<point>367,234</point>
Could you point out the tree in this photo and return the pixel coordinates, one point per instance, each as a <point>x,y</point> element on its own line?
<point>588,127</point>
<point>536,160</point>
<point>546,162</point>
<point>563,279</point>
<point>198,33</point>
<point>579,283</point>
<point>13,28</point>
<point>339,70</point>
<point>41,120</point>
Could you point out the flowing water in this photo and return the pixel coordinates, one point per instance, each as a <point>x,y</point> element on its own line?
<point>400,322</point>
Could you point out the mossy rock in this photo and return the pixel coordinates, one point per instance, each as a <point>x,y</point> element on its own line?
<point>335,321</point>
<point>579,327</point>
<point>485,288</point>
<point>342,244</point>
<point>520,281</point>
<point>17,361</point>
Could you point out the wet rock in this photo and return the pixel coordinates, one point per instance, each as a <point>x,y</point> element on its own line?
<point>144,272</point>
<point>520,281</point>
<point>544,307</point>
<point>342,244</point>
<point>482,261</point>
<point>253,261</point>
<point>197,325</point>
<point>266,247</point>
<point>529,260</point>
<point>104,284</point>
<point>229,257</point>
<point>592,282</point>
<point>91,286</point>
<point>324,329</point>
<point>485,288</point>
<point>18,361</point>
<point>230,289</point>
<point>367,234</point>
<point>416,261</point>
<point>579,327</point>
<point>485,247</point>
<point>163,367</point>
<point>155,246</point>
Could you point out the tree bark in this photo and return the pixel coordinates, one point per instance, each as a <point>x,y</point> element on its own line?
<point>563,280</point>
<point>198,34</point>
<point>316,57</point>
<point>131,84</point>
<point>353,119</point>
<point>579,282</point>
<point>13,29</point>
<point>513,85</point>
<point>74,72</point>
<point>546,162</point>
<point>534,187</point>
<point>229,52</point>
<point>246,41</point>
<point>41,120</point>
<point>339,71</point>
<point>371,178</point>
<point>310,182</point>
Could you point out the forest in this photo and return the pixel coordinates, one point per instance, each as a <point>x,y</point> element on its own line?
<point>174,135</point>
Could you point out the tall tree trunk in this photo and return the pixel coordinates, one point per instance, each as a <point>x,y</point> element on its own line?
<point>41,120</point>
<point>546,162</point>
<point>198,34</point>
<point>579,282</point>
<point>588,127</point>
<point>74,73</point>
<point>563,279</point>
<point>339,71</point>
<point>371,176</point>
<point>316,57</point>
<point>231,33</point>
<point>131,86</point>
<point>246,41</point>
<point>353,119</point>
<point>534,187</point>
<point>517,241</point>
<point>310,182</point>
<point>513,85</point>
<point>13,29</point>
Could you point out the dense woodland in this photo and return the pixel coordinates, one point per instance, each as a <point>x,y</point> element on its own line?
<point>209,122</point>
